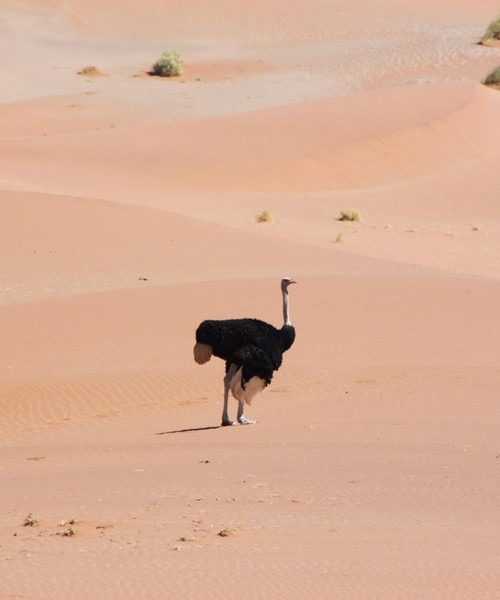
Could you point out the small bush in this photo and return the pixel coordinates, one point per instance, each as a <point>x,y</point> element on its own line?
<point>30,520</point>
<point>168,65</point>
<point>264,217</point>
<point>492,31</point>
<point>493,78</point>
<point>90,71</point>
<point>350,215</point>
<point>69,532</point>
<point>226,532</point>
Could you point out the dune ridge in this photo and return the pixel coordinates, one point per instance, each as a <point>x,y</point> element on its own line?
<point>313,147</point>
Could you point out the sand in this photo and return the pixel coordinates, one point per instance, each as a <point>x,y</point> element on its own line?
<point>128,209</point>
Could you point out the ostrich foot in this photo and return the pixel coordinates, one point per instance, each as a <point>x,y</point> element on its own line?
<point>227,423</point>
<point>244,421</point>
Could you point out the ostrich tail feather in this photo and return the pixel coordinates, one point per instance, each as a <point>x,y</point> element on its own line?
<point>247,393</point>
<point>202,353</point>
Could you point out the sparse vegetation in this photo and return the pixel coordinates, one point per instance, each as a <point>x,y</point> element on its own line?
<point>90,71</point>
<point>30,520</point>
<point>68,522</point>
<point>264,217</point>
<point>69,532</point>
<point>226,532</point>
<point>492,32</point>
<point>350,214</point>
<point>340,237</point>
<point>168,65</point>
<point>493,78</point>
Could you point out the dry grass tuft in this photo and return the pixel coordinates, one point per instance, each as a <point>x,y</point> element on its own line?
<point>264,217</point>
<point>340,237</point>
<point>226,532</point>
<point>91,71</point>
<point>30,520</point>
<point>350,214</point>
<point>68,522</point>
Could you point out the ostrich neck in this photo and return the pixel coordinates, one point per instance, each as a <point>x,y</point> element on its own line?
<point>286,309</point>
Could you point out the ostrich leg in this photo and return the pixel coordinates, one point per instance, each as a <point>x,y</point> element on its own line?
<point>227,380</point>
<point>241,417</point>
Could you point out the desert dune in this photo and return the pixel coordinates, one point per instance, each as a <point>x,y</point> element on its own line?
<point>129,208</point>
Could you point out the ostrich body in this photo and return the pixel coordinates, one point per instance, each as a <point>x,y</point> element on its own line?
<point>252,349</point>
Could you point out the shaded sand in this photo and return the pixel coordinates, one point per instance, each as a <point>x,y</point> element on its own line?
<point>128,208</point>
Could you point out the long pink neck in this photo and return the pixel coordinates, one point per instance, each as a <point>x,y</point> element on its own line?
<point>286,308</point>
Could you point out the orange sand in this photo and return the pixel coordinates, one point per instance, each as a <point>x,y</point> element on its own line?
<point>128,207</point>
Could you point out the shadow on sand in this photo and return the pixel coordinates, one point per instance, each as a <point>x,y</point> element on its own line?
<point>190,430</point>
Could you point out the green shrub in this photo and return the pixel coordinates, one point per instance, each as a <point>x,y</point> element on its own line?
<point>493,78</point>
<point>492,31</point>
<point>168,65</point>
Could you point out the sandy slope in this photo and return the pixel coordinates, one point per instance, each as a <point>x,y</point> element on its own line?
<point>359,475</point>
<point>128,209</point>
<point>409,159</point>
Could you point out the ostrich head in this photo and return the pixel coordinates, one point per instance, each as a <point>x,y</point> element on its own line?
<point>285,282</point>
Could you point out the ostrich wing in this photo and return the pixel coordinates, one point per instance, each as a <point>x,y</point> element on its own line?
<point>257,363</point>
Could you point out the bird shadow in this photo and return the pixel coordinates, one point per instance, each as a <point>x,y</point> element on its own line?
<point>189,430</point>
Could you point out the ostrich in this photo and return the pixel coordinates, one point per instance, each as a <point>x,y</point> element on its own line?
<point>252,349</point>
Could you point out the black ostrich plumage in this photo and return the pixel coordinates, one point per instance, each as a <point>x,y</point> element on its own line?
<point>252,349</point>
<point>254,345</point>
